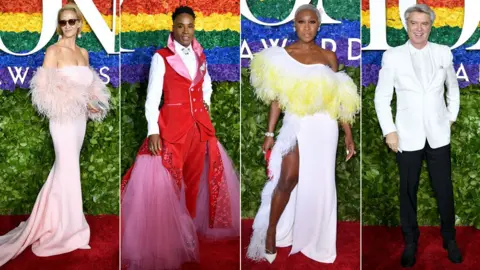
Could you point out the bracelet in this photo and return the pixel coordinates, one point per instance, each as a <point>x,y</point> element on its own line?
<point>269,134</point>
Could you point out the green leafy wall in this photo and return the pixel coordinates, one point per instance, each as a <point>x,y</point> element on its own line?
<point>27,155</point>
<point>254,124</point>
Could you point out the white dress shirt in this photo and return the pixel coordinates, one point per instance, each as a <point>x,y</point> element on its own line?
<point>422,63</point>
<point>155,84</point>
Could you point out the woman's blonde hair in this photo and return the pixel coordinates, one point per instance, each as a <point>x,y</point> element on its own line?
<point>71,6</point>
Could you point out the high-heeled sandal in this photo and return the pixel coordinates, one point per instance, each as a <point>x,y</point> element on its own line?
<point>269,256</point>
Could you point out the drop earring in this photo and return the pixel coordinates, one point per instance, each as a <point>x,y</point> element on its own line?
<point>79,35</point>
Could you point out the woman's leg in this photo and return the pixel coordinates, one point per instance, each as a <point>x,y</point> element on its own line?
<point>281,194</point>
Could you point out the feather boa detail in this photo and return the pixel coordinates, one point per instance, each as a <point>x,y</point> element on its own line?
<point>301,89</point>
<point>98,91</point>
<point>58,97</point>
<point>284,144</point>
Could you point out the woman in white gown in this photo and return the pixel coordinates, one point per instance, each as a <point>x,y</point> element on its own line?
<point>68,92</point>
<point>299,203</point>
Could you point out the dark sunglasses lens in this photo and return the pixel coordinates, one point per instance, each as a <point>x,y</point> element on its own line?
<point>72,22</point>
<point>62,22</point>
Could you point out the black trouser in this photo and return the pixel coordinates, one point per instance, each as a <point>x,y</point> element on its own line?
<point>439,169</point>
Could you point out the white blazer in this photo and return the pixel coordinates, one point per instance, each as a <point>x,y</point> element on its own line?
<point>421,112</point>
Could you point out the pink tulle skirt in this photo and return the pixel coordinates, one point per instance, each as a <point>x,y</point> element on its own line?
<point>157,230</point>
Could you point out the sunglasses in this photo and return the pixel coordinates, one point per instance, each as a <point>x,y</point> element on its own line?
<point>71,22</point>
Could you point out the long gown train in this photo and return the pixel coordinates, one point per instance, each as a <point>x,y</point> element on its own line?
<point>157,229</point>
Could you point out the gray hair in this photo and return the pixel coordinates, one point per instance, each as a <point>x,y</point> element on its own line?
<point>422,8</point>
<point>309,7</point>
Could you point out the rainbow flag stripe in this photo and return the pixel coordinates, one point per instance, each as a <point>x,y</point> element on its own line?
<point>147,24</point>
<point>144,26</point>
<point>272,11</point>
<point>446,30</point>
<point>20,26</point>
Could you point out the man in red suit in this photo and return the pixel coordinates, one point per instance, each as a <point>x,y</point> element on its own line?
<point>182,184</point>
<point>181,131</point>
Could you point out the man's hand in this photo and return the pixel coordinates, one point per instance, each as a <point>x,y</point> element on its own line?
<point>392,141</point>
<point>154,144</point>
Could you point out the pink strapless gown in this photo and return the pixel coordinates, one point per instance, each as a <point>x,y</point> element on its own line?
<point>57,224</point>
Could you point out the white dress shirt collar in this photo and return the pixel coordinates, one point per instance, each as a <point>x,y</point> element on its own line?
<point>179,47</point>
<point>414,50</point>
<point>422,63</point>
<point>189,58</point>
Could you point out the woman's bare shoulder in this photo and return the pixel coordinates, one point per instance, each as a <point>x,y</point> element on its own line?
<point>84,52</point>
<point>53,50</point>
<point>290,48</point>
<point>327,53</point>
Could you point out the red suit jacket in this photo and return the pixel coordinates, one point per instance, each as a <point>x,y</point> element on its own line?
<point>183,98</point>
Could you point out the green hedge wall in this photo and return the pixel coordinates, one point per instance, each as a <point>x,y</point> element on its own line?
<point>254,124</point>
<point>27,155</point>
<point>225,113</point>
<point>380,182</point>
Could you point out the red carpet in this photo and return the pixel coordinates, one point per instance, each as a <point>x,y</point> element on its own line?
<point>218,255</point>
<point>103,255</point>
<point>383,246</point>
<point>348,251</point>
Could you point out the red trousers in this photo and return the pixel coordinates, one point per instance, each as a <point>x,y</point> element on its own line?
<point>188,160</point>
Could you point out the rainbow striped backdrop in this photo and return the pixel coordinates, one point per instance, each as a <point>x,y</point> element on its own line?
<point>446,30</point>
<point>273,11</point>
<point>146,25</point>
<point>20,26</point>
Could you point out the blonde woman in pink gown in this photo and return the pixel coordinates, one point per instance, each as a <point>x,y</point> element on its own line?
<point>68,92</point>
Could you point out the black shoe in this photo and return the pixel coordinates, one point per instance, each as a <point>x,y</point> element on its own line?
<point>408,256</point>
<point>453,251</point>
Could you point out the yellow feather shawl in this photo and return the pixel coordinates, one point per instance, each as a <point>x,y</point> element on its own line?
<point>303,89</point>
